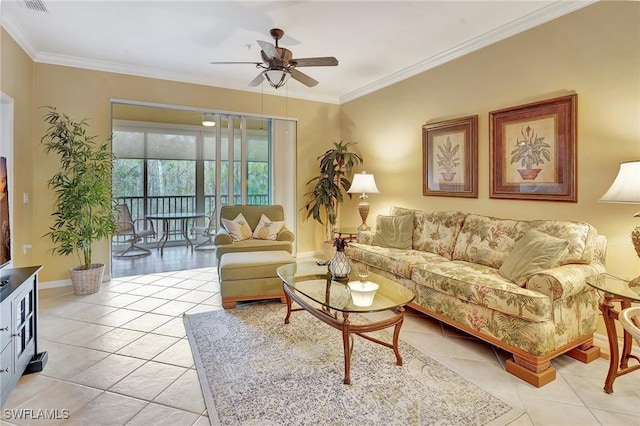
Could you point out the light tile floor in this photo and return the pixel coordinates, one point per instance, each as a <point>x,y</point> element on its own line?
<point>120,356</point>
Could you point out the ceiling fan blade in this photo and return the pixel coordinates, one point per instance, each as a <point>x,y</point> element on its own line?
<point>303,78</point>
<point>269,49</point>
<point>257,81</point>
<point>326,61</point>
<point>232,63</point>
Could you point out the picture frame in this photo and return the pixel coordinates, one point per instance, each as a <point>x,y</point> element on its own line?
<point>450,158</point>
<point>532,151</point>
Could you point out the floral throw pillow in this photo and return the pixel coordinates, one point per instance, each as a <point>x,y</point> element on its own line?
<point>267,229</point>
<point>238,228</point>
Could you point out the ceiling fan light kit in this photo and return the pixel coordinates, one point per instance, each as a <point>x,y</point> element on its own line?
<point>278,64</point>
<point>276,78</point>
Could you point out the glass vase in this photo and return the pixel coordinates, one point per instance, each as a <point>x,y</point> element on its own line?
<point>339,265</point>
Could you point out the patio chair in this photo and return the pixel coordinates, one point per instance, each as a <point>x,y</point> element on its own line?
<point>134,231</point>
<point>208,231</point>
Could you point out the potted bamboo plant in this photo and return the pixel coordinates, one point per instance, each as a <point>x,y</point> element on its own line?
<point>83,210</point>
<point>327,189</point>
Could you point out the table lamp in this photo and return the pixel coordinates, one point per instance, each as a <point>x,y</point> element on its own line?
<point>363,183</point>
<point>626,190</point>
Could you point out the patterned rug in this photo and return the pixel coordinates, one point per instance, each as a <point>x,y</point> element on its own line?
<point>255,370</point>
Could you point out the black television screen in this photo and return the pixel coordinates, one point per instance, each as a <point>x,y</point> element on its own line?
<point>5,228</point>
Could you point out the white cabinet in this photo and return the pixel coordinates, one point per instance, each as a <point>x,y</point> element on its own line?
<point>18,327</point>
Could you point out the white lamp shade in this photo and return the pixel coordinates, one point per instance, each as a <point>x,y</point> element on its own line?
<point>363,183</point>
<point>276,78</point>
<point>626,187</point>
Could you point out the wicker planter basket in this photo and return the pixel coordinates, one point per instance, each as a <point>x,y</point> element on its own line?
<point>87,281</point>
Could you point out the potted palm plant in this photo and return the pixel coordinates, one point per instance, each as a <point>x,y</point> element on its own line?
<point>327,189</point>
<point>83,210</point>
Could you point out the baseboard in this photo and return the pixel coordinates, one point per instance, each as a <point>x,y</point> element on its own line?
<point>43,285</point>
<point>601,341</point>
<point>307,254</point>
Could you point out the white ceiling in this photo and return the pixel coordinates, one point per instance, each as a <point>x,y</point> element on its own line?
<point>376,43</point>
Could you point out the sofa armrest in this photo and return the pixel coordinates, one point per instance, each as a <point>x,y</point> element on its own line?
<point>222,238</point>
<point>564,281</point>
<point>285,235</point>
<point>365,237</point>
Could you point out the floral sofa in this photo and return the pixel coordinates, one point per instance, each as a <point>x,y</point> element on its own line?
<point>453,262</point>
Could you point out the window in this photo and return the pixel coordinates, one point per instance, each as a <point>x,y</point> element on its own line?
<point>167,167</point>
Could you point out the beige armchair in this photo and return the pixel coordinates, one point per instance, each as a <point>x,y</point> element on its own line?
<point>225,244</point>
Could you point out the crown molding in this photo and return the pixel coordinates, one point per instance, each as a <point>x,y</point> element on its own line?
<point>539,17</point>
<point>162,74</point>
<point>16,32</point>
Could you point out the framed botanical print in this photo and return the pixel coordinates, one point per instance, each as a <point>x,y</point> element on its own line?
<point>450,158</point>
<point>533,151</point>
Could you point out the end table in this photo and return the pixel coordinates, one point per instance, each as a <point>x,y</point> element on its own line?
<point>616,290</point>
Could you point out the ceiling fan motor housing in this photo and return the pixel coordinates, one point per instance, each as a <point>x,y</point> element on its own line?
<point>280,62</point>
<point>279,59</point>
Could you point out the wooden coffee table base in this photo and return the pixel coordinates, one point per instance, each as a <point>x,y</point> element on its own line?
<point>348,329</point>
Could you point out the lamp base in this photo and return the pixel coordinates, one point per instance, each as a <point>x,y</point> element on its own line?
<point>635,239</point>
<point>363,209</point>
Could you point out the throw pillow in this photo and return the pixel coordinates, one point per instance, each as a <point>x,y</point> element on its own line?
<point>534,252</point>
<point>267,229</point>
<point>238,228</point>
<point>394,231</point>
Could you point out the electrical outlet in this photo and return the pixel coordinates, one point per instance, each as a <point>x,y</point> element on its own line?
<point>25,198</point>
<point>26,248</point>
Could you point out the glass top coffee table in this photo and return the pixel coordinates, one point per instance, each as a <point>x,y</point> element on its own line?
<point>312,288</point>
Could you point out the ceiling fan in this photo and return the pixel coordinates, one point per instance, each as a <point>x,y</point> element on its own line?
<point>278,64</point>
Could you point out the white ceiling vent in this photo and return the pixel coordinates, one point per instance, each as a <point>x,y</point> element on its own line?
<point>37,5</point>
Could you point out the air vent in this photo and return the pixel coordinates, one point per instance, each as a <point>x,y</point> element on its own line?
<point>37,5</point>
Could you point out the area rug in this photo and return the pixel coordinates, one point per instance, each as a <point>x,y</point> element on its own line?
<point>255,370</point>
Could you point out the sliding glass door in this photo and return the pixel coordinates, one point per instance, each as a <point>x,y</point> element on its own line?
<point>170,166</point>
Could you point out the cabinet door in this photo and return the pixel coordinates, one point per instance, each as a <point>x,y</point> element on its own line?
<point>24,317</point>
<point>5,324</point>
<point>6,368</point>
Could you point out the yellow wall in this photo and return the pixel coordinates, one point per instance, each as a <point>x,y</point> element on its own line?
<point>16,81</point>
<point>594,52</point>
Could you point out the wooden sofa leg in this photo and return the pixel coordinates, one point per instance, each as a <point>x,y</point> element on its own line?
<point>531,371</point>
<point>228,305</point>
<point>586,352</point>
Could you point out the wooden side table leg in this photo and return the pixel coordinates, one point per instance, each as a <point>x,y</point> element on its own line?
<point>608,315</point>
<point>627,340</point>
